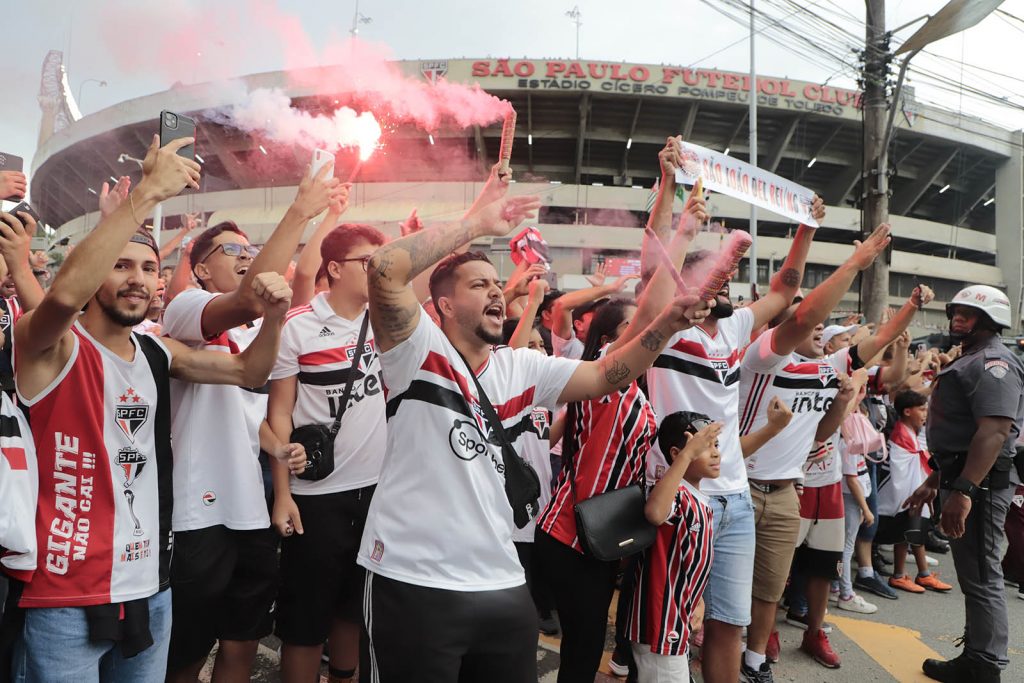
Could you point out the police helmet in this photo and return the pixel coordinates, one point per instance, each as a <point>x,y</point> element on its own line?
<point>988,300</point>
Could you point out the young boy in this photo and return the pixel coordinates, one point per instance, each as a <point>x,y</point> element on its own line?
<point>671,577</point>
<point>905,470</point>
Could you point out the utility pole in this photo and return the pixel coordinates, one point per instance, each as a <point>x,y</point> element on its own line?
<point>752,121</point>
<point>874,285</point>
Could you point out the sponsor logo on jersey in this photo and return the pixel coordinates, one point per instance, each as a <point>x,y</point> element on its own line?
<point>131,463</point>
<point>467,440</point>
<point>326,332</point>
<point>672,637</point>
<point>209,498</point>
<point>130,413</point>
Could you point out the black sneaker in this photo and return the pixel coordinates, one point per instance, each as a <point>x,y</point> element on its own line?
<point>934,544</point>
<point>548,625</point>
<point>762,674</point>
<point>961,669</point>
<point>872,584</point>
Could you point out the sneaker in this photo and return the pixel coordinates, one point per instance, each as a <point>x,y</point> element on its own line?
<point>771,651</point>
<point>904,583</point>
<point>548,625</point>
<point>762,674</point>
<point>800,621</point>
<point>857,604</point>
<point>873,584</point>
<point>932,562</point>
<point>934,544</point>
<point>620,670</point>
<point>932,582</point>
<point>833,594</point>
<point>817,646</point>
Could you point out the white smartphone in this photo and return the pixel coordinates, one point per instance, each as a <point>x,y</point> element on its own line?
<point>321,157</point>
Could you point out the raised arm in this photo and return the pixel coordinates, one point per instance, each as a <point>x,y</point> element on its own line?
<point>897,324</point>
<point>521,337</point>
<point>562,308</point>
<point>242,305</point>
<point>659,504</point>
<point>251,367</point>
<point>660,218</point>
<point>845,401</point>
<point>786,282</point>
<point>779,415</point>
<point>15,245</point>
<point>165,174</point>
<point>394,310</point>
<point>822,299</point>
<point>304,282</point>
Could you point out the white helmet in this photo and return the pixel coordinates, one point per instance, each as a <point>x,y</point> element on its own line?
<point>986,299</point>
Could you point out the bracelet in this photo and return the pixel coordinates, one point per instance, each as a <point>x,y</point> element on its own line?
<point>131,204</point>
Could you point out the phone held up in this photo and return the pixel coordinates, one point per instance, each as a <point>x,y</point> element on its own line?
<point>24,206</point>
<point>321,157</point>
<point>175,126</point>
<point>11,162</point>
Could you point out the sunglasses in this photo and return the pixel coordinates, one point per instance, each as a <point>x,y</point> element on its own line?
<point>234,250</point>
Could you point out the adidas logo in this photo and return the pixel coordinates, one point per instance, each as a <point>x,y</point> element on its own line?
<point>326,332</point>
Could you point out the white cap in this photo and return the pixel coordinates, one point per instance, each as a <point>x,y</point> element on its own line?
<point>833,330</point>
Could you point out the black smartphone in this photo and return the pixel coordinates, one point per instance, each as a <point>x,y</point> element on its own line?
<point>11,162</point>
<point>174,126</point>
<point>24,206</point>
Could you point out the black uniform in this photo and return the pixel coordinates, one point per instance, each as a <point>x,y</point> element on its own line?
<point>987,381</point>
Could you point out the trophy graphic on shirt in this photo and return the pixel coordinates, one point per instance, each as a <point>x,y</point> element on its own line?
<point>131,462</point>
<point>130,497</point>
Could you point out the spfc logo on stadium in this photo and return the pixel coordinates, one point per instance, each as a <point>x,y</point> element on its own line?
<point>826,373</point>
<point>434,71</point>
<point>131,463</point>
<point>130,413</point>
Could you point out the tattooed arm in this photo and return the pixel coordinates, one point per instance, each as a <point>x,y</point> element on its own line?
<point>786,283</point>
<point>394,310</point>
<point>621,366</point>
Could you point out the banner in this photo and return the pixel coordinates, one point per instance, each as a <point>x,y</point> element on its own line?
<point>753,185</point>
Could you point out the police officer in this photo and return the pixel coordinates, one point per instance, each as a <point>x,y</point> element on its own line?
<point>974,419</point>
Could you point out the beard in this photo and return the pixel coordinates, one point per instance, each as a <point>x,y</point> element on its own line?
<point>723,308</point>
<point>123,318</point>
<point>491,338</point>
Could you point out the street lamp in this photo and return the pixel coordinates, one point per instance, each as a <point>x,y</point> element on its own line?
<point>81,85</point>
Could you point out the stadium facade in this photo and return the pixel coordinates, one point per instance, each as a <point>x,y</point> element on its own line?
<point>587,140</point>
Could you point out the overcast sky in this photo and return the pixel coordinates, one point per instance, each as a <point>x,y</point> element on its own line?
<point>142,47</point>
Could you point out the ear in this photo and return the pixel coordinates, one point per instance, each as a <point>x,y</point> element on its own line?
<point>201,271</point>
<point>444,307</point>
<point>334,269</point>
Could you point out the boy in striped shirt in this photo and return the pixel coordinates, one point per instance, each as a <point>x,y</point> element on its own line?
<point>672,574</point>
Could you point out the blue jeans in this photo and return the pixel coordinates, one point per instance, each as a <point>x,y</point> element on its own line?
<point>55,648</point>
<point>727,596</point>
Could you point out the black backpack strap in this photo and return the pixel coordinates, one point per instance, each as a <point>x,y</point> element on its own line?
<point>353,368</point>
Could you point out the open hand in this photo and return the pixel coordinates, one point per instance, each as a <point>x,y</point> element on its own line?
<point>112,197</point>
<point>411,225</point>
<point>597,278</point>
<point>703,441</point>
<point>501,217</point>
<point>165,173</point>
<point>867,251</point>
<point>922,496</point>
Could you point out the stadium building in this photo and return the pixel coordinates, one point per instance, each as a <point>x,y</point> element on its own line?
<point>587,141</point>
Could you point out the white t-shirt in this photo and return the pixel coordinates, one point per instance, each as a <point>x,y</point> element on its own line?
<point>566,348</point>
<point>806,385</point>
<point>439,517</point>
<point>701,373</point>
<point>318,345</point>
<point>824,468</point>
<point>215,430</point>
<point>535,448</point>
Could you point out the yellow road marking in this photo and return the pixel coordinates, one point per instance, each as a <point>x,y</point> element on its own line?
<point>898,650</point>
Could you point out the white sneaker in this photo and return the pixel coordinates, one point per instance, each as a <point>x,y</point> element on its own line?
<point>932,562</point>
<point>620,670</point>
<point>855,603</point>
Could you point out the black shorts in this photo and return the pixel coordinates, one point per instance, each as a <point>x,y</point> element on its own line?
<point>431,635</point>
<point>320,580</point>
<point>223,585</point>
<point>825,564</point>
<point>895,529</point>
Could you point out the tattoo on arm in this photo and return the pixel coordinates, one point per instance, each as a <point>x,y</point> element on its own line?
<point>652,340</point>
<point>614,371</point>
<point>790,277</point>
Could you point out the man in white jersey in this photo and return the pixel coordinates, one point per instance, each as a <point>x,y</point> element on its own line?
<point>787,362</point>
<point>322,511</point>
<point>97,395</point>
<point>445,594</point>
<point>224,572</point>
<point>699,371</point>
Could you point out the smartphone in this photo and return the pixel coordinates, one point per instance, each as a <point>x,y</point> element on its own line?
<point>10,162</point>
<point>552,279</point>
<point>321,157</point>
<point>24,206</point>
<point>174,126</point>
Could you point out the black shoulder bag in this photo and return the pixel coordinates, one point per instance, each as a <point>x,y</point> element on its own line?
<point>318,439</point>
<point>610,525</point>
<point>522,485</point>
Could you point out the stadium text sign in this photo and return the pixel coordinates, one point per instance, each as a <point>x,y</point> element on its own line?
<point>672,81</point>
<point>748,183</point>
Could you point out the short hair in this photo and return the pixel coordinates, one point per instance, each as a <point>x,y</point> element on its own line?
<point>549,301</point>
<point>340,240</point>
<point>508,328</point>
<point>442,280</point>
<point>675,425</point>
<point>693,259</point>
<point>203,245</point>
<point>908,399</point>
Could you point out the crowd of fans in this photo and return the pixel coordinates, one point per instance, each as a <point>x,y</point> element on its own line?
<point>391,459</point>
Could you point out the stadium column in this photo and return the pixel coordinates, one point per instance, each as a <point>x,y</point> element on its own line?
<point>1010,226</point>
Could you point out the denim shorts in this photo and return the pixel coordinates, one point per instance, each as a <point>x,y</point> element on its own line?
<point>727,596</point>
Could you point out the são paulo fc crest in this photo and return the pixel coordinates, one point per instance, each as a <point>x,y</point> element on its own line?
<point>434,71</point>
<point>131,463</point>
<point>130,413</point>
<point>826,373</point>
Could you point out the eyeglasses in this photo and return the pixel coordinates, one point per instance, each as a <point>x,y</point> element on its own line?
<point>362,259</point>
<point>234,250</point>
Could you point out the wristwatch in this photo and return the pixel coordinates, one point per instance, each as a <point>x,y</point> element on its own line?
<point>964,486</point>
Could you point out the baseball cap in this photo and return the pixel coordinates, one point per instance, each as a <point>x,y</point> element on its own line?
<point>833,330</point>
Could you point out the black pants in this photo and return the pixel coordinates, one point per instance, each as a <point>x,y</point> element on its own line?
<point>430,635</point>
<point>538,589</point>
<point>582,589</point>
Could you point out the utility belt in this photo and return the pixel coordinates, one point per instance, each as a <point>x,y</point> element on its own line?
<point>951,465</point>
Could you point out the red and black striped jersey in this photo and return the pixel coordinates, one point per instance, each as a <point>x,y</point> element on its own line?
<point>672,574</point>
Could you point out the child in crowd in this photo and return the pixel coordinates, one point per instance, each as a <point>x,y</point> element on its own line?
<point>905,470</point>
<point>671,577</point>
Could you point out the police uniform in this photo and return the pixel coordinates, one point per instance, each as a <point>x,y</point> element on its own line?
<point>986,381</point>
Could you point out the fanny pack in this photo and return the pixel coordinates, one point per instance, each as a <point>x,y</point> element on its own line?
<point>318,439</point>
<point>522,485</point>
